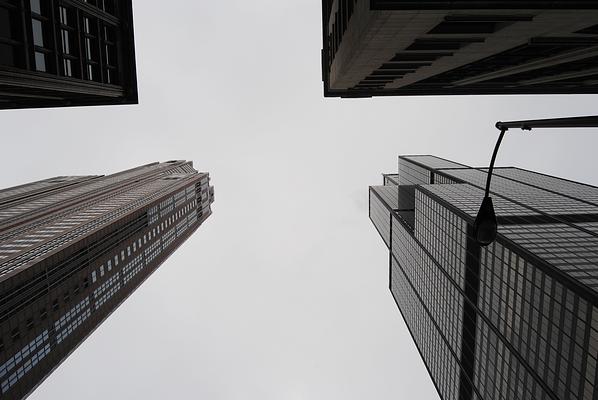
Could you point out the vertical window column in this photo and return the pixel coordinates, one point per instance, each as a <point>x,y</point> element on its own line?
<point>41,25</point>
<point>90,40</point>
<point>68,37</point>
<point>110,59</point>
<point>11,34</point>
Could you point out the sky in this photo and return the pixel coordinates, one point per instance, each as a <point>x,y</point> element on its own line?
<point>282,293</point>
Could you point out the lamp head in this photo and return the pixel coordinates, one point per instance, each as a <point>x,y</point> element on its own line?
<point>485,226</point>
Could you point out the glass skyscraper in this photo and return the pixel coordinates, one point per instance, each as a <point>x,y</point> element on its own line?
<point>73,248</point>
<point>515,320</point>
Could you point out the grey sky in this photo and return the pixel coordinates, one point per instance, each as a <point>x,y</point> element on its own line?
<point>282,293</point>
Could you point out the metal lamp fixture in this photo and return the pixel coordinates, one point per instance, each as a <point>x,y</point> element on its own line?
<point>485,226</point>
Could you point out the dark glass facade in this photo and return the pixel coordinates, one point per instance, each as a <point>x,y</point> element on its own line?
<point>515,320</point>
<point>73,248</point>
<point>402,47</point>
<point>56,53</point>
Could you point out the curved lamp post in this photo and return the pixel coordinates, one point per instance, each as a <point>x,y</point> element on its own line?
<point>485,226</point>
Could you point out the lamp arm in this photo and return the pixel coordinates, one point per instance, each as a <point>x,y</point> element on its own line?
<point>491,168</point>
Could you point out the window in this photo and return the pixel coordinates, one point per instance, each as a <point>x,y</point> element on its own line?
<point>40,61</point>
<point>35,6</point>
<point>42,34</point>
<point>11,46</point>
<point>68,39</point>
<point>38,35</point>
<point>110,62</point>
<point>90,40</point>
<point>104,5</point>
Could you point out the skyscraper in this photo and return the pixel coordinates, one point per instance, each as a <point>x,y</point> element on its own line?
<point>73,248</point>
<point>56,53</point>
<point>515,320</point>
<point>427,47</point>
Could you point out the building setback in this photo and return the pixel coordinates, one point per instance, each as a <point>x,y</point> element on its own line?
<point>56,53</point>
<point>427,47</point>
<point>515,320</point>
<point>72,249</point>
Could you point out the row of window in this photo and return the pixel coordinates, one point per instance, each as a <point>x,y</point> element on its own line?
<point>439,45</point>
<point>84,48</point>
<point>443,234</point>
<point>192,218</point>
<point>30,188</point>
<point>432,162</point>
<point>179,198</point>
<point>29,356</point>
<point>567,248</point>
<point>60,336</point>
<point>146,196</point>
<point>133,268</point>
<point>338,25</point>
<point>467,198</point>
<point>437,293</point>
<point>67,194</point>
<point>380,216</point>
<point>411,174</point>
<point>498,374</point>
<point>75,317</point>
<point>562,186</point>
<point>545,322</point>
<point>436,352</point>
<point>542,200</point>
<point>119,204</point>
<point>72,313</point>
<point>26,367</point>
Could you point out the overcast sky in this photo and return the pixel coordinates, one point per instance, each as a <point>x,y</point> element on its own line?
<point>283,292</point>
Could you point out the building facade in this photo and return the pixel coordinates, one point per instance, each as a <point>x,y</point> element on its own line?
<point>515,320</point>
<point>427,47</point>
<point>73,248</point>
<point>56,53</point>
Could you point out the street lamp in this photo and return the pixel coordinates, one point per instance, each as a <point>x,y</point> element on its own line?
<point>485,226</point>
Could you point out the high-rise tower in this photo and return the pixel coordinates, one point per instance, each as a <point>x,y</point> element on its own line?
<point>56,53</point>
<point>515,320</point>
<point>73,248</point>
<point>428,47</point>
